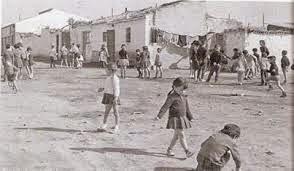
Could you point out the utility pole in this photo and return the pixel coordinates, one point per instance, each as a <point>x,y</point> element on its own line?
<point>262,19</point>
<point>112,12</point>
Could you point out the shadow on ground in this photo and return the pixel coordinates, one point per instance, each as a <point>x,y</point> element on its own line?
<point>133,151</point>
<point>173,169</point>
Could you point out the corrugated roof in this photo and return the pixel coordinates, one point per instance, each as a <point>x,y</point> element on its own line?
<point>52,18</point>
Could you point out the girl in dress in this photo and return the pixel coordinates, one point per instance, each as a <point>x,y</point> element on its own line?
<point>179,115</point>
<point>111,96</point>
<point>158,63</point>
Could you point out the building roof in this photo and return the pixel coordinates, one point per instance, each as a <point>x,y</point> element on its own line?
<point>52,18</point>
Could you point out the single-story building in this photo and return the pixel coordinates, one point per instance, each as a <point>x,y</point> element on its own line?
<point>171,26</point>
<point>49,27</point>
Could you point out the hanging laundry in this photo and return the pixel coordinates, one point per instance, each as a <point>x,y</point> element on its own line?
<point>182,41</point>
<point>154,35</point>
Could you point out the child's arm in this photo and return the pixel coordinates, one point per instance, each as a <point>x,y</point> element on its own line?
<point>236,156</point>
<point>189,114</point>
<point>165,107</point>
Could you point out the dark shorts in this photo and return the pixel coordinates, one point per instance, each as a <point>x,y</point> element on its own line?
<point>108,99</point>
<point>195,65</point>
<point>63,57</point>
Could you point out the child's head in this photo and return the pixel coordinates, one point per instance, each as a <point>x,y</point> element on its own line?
<point>262,43</point>
<point>29,49</point>
<point>138,51</point>
<point>254,50</point>
<point>16,46</point>
<point>111,68</point>
<point>284,52</point>
<point>196,43</point>
<point>123,46</point>
<point>7,46</point>
<point>158,50</point>
<point>179,85</point>
<point>52,46</point>
<point>217,47</point>
<point>232,130</point>
<point>78,45</point>
<point>245,52</point>
<point>272,59</point>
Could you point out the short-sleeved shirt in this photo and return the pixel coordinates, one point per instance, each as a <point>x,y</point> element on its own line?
<point>285,62</point>
<point>112,86</point>
<point>216,148</point>
<point>123,54</point>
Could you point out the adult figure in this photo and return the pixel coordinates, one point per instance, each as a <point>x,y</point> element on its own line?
<point>215,63</point>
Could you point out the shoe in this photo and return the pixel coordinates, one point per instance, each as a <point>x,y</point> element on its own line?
<point>170,153</point>
<point>189,154</point>
<point>284,94</point>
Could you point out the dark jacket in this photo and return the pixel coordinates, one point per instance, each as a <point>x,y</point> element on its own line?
<point>285,62</point>
<point>274,70</point>
<point>178,106</point>
<point>201,54</point>
<point>215,57</point>
<point>123,54</point>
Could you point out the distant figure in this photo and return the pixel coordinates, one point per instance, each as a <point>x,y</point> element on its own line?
<point>146,63</point>
<point>123,60</point>
<point>71,56</point>
<point>8,56</point>
<point>52,56</point>
<point>139,63</point>
<point>158,63</point>
<point>241,66</point>
<point>285,63</point>
<point>111,96</point>
<point>274,75</point>
<point>194,59</point>
<point>18,60</point>
<point>215,151</point>
<point>79,58</point>
<point>202,61</point>
<point>264,63</point>
<point>30,62</point>
<point>215,63</point>
<point>180,117</point>
<point>191,53</point>
<point>11,72</point>
<point>250,69</point>
<point>257,62</point>
<point>103,56</point>
<point>64,56</point>
<point>25,61</point>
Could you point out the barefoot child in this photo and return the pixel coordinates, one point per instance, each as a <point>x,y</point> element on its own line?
<point>11,72</point>
<point>111,96</point>
<point>138,63</point>
<point>215,151</point>
<point>241,66</point>
<point>146,62</point>
<point>285,63</point>
<point>274,75</point>
<point>179,115</point>
<point>158,64</point>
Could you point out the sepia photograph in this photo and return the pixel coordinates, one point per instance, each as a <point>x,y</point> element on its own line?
<point>146,85</point>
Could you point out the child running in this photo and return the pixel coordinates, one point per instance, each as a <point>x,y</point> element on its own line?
<point>11,72</point>
<point>274,75</point>
<point>123,60</point>
<point>158,63</point>
<point>138,63</point>
<point>215,151</point>
<point>285,63</point>
<point>111,96</point>
<point>179,115</point>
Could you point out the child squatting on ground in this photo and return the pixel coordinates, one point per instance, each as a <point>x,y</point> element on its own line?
<point>179,115</point>
<point>215,151</point>
<point>111,96</point>
<point>274,75</point>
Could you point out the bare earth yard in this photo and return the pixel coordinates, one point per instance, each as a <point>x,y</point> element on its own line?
<point>51,123</point>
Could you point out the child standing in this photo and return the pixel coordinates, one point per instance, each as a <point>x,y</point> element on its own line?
<point>215,151</point>
<point>30,62</point>
<point>158,63</point>
<point>52,56</point>
<point>17,60</point>
<point>179,115</point>
<point>11,72</point>
<point>241,66</point>
<point>250,65</point>
<point>274,71</point>
<point>264,63</point>
<point>111,96</point>
<point>257,63</point>
<point>285,63</point>
<point>138,63</point>
<point>146,62</point>
<point>123,60</point>
<point>64,55</point>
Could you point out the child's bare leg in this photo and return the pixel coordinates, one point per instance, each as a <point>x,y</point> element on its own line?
<point>14,86</point>
<point>285,75</point>
<point>156,71</point>
<point>174,140</point>
<point>116,115</point>
<point>148,72</point>
<point>106,114</point>
<point>182,138</point>
<point>280,87</point>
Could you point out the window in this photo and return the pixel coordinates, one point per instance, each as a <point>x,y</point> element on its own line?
<point>128,34</point>
<point>104,36</point>
<point>86,37</point>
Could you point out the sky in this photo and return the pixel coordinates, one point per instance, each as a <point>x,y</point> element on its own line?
<point>246,12</point>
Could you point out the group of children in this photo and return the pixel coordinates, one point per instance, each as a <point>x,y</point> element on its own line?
<point>214,152</point>
<point>15,59</point>
<point>69,58</point>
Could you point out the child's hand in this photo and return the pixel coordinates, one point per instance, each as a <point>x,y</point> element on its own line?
<point>156,118</point>
<point>192,120</point>
<point>100,90</point>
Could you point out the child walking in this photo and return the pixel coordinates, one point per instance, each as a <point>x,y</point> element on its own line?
<point>139,63</point>
<point>11,72</point>
<point>30,62</point>
<point>215,151</point>
<point>179,115</point>
<point>158,64</point>
<point>285,63</point>
<point>123,60</point>
<point>111,96</point>
<point>274,75</point>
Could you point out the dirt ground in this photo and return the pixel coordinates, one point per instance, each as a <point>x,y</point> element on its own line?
<point>51,123</point>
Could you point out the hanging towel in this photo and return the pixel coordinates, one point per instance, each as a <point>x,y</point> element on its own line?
<point>182,41</point>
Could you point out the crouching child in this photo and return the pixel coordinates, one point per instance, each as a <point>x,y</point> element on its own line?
<point>215,151</point>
